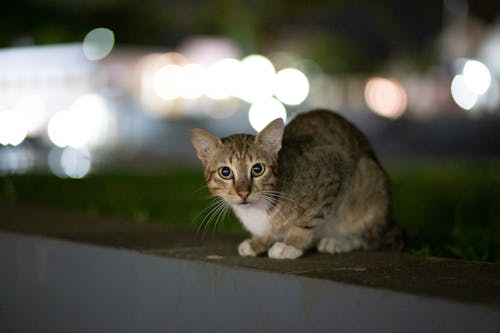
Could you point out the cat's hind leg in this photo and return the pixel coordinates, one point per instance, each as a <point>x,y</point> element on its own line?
<point>281,250</point>
<point>339,244</point>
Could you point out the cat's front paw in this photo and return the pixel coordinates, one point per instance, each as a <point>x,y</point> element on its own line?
<point>245,249</point>
<point>283,251</point>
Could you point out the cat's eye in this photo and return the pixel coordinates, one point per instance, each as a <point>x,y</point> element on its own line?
<point>225,172</point>
<point>257,170</point>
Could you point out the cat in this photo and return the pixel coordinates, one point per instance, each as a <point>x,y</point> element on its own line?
<point>312,184</point>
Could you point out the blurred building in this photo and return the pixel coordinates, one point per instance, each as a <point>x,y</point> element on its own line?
<point>76,107</point>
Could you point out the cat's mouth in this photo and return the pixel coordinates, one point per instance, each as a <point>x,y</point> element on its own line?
<point>244,202</point>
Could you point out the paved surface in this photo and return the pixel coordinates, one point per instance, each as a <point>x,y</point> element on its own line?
<point>465,281</point>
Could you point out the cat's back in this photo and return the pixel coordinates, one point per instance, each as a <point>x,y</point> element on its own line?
<point>325,129</point>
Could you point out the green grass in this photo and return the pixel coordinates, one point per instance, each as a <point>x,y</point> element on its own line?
<point>177,197</point>
<point>449,210</point>
<point>446,210</point>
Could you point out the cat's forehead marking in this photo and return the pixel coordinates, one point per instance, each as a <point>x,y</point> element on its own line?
<point>238,141</point>
<point>238,147</point>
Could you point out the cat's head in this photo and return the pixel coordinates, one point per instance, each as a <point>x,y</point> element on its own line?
<point>241,167</point>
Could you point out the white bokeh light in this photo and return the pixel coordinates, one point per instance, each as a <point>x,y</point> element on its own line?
<point>221,78</point>
<point>93,115</point>
<point>291,87</point>
<point>76,163</point>
<point>98,43</point>
<point>60,128</point>
<point>165,82</point>
<point>16,160</point>
<point>191,81</point>
<point>13,127</point>
<point>490,50</point>
<point>86,121</point>
<point>264,111</point>
<point>476,76</point>
<point>257,79</point>
<point>461,93</point>
<point>70,162</point>
<point>34,110</point>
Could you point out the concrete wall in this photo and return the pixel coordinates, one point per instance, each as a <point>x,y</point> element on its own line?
<point>49,285</point>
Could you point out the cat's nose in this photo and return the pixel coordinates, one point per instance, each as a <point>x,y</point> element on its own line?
<point>244,194</point>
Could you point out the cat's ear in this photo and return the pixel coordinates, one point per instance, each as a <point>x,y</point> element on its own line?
<point>204,143</point>
<point>272,134</point>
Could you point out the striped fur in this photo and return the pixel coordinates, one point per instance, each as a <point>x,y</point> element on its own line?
<point>321,187</point>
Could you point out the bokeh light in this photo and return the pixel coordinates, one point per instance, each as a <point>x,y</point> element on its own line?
<point>257,79</point>
<point>264,111</point>
<point>34,110</point>
<point>158,82</point>
<point>191,81</point>
<point>165,82</point>
<point>489,101</point>
<point>206,50</point>
<point>221,78</point>
<point>166,78</point>
<point>98,43</point>
<point>490,50</point>
<point>476,76</point>
<point>60,128</point>
<point>15,160</point>
<point>13,127</point>
<point>291,87</point>
<point>70,162</point>
<point>462,94</point>
<point>84,121</point>
<point>385,97</point>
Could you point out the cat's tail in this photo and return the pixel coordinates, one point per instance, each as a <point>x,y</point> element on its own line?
<point>393,238</point>
<point>388,236</point>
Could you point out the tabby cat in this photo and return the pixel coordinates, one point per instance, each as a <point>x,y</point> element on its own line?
<point>315,183</point>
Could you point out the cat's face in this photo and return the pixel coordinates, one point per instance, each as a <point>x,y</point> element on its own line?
<point>240,168</point>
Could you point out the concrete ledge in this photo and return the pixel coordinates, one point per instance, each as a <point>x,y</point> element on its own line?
<point>163,279</point>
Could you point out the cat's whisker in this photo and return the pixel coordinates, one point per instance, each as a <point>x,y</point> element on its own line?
<point>278,194</point>
<point>269,199</point>
<point>217,214</point>
<point>213,216</point>
<point>208,222</point>
<point>273,192</point>
<point>269,204</point>
<point>220,217</point>
<point>200,188</point>
<point>213,209</point>
<point>213,201</point>
<point>225,211</point>
<point>279,213</point>
<point>273,202</point>
<point>211,196</point>
<point>278,197</point>
<point>281,201</point>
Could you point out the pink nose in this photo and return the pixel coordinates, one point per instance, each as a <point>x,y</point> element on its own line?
<point>244,194</point>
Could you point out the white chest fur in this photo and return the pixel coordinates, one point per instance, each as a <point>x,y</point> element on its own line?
<point>254,218</point>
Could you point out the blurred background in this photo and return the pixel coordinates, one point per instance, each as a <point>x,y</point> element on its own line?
<point>92,88</point>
